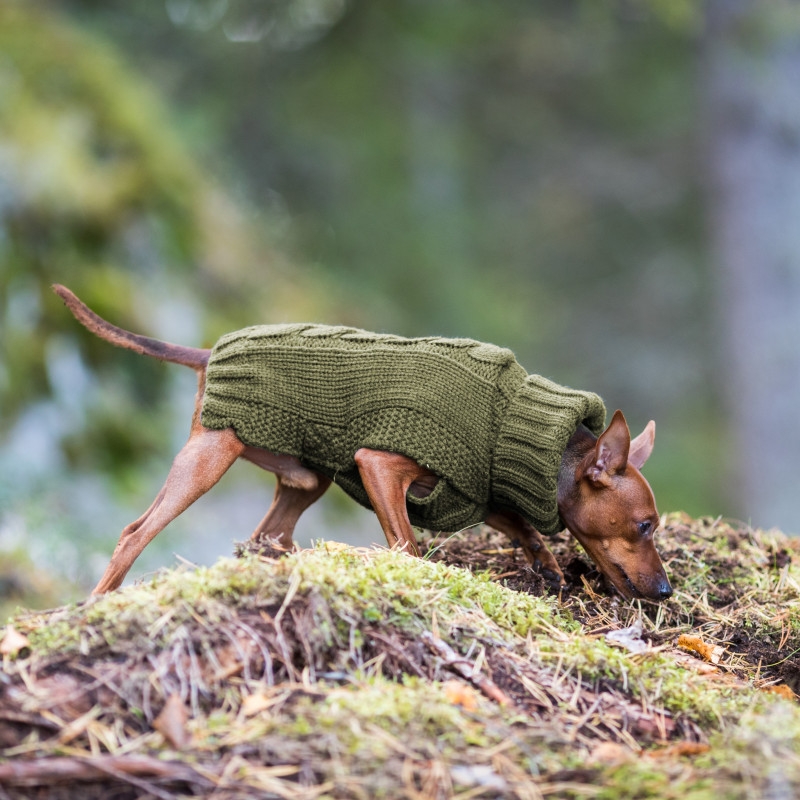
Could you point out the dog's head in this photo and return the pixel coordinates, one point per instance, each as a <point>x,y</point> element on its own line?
<point>611,511</point>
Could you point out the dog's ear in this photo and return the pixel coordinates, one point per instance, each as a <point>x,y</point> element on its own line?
<point>642,445</point>
<point>610,454</point>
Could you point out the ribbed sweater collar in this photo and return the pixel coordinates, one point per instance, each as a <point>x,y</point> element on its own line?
<point>538,422</point>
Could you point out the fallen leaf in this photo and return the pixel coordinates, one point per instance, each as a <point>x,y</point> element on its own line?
<point>13,642</point>
<point>256,703</point>
<point>461,694</point>
<point>679,749</point>
<point>478,775</point>
<point>629,638</point>
<point>709,652</point>
<point>782,690</point>
<point>610,754</point>
<point>690,662</point>
<point>171,722</point>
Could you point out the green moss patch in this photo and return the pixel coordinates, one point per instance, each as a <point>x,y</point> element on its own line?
<point>337,672</point>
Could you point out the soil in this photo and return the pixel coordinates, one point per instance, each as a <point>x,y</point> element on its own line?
<point>684,546</point>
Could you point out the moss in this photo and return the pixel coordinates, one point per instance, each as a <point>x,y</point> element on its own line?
<point>378,585</point>
<point>755,757</point>
<point>650,780</point>
<point>412,705</point>
<point>315,665</point>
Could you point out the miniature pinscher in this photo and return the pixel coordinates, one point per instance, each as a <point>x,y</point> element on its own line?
<point>602,497</point>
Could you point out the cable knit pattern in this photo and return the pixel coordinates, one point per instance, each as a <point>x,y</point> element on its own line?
<point>466,410</point>
<point>532,438</point>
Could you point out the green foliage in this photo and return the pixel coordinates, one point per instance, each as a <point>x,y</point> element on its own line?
<point>100,193</point>
<point>88,169</point>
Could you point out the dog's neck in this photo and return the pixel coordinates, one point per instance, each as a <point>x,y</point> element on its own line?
<point>579,444</point>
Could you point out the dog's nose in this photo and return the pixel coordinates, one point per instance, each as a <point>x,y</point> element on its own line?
<point>664,590</point>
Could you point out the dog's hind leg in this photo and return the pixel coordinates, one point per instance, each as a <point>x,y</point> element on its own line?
<point>203,460</point>
<point>297,488</point>
<point>288,504</point>
<point>533,545</point>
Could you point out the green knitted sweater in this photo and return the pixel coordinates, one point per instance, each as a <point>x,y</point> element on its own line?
<point>466,410</point>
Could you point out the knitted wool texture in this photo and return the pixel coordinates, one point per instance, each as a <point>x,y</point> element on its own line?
<point>465,410</point>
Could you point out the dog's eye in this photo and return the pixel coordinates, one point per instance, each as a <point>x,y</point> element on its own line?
<point>644,528</point>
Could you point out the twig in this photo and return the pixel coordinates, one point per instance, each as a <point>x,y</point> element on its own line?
<point>129,769</point>
<point>133,780</point>
<point>24,718</point>
<point>398,649</point>
<point>465,669</point>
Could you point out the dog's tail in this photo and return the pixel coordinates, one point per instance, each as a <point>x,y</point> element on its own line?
<point>193,357</point>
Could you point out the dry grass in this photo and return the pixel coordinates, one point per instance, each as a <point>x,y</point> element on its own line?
<point>345,673</point>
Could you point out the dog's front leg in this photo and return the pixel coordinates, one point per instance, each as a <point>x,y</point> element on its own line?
<point>533,545</point>
<point>387,478</point>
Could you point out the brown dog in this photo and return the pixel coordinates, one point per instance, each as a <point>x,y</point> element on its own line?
<point>602,497</point>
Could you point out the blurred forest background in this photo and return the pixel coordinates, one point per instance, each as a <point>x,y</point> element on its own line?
<point>611,189</point>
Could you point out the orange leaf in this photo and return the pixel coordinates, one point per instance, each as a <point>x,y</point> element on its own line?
<point>680,749</point>
<point>460,694</point>
<point>782,690</point>
<point>709,652</point>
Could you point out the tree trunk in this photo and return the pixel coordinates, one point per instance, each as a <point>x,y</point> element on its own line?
<point>752,98</point>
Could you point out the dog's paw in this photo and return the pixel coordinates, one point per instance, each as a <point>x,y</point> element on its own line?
<point>554,580</point>
<point>266,548</point>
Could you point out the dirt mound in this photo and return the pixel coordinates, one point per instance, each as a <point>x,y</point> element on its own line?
<point>338,672</point>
